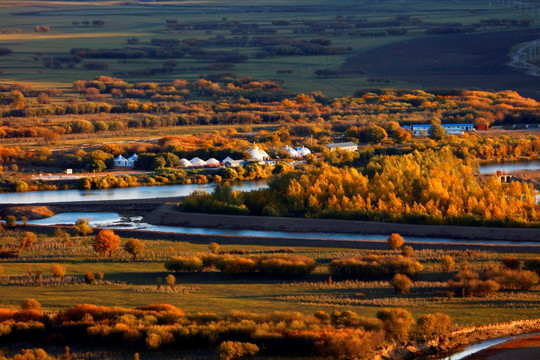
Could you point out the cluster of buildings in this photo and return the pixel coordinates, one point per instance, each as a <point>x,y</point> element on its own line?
<point>451,129</point>
<point>255,155</point>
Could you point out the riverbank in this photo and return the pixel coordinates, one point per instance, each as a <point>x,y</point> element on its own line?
<point>524,349</point>
<point>457,339</point>
<point>169,216</point>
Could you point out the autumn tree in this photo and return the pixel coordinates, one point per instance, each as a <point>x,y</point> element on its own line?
<point>396,322</point>
<point>82,228</point>
<point>171,280</point>
<point>106,242</point>
<point>58,271</point>
<point>436,130</point>
<point>11,221</point>
<point>401,283</point>
<point>134,247</point>
<point>437,323</point>
<point>31,304</point>
<point>447,263</point>
<point>213,247</point>
<point>395,241</point>
<point>28,239</point>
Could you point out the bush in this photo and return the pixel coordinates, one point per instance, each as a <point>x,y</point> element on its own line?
<point>532,265</point>
<point>511,262</point>
<point>30,304</point>
<point>374,266</point>
<point>447,263</point>
<point>407,251</point>
<point>348,343</point>
<point>401,283</point>
<point>58,271</point>
<point>171,280</point>
<point>396,322</point>
<point>287,265</point>
<point>231,350</point>
<point>437,323</point>
<point>28,239</point>
<point>11,221</point>
<point>184,264</point>
<point>82,228</point>
<point>237,265</point>
<point>395,241</point>
<point>89,278</point>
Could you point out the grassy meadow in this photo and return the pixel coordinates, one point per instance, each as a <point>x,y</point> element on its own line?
<point>147,20</point>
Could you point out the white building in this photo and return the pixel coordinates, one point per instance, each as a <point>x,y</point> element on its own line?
<point>120,161</point>
<point>212,162</point>
<point>346,146</point>
<point>451,129</point>
<point>257,154</point>
<point>197,162</point>
<point>292,153</point>
<point>131,160</point>
<point>303,151</point>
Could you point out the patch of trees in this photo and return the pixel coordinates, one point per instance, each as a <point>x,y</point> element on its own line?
<point>341,334</point>
<point>432,187</point>
<point>374,266</point>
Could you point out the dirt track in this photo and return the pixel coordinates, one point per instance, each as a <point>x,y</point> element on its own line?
<point>475,60</point>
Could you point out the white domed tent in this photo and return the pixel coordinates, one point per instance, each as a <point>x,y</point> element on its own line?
<point>197,162</point>
<point>131,160</point>
<point>212,162</point>
<point>228,158</point>
<point>292,153</point>
<point>257,154</point>
<point>303,151</point>
<point>185,163</point>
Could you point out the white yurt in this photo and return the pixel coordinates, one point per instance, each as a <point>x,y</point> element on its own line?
<point>257,154</point>
<point>303,151</point>
<point>227,159</point>
<point>292,153</point>
<point>185,163</point>
<point>212,162</point>
<point>197,162</point>
<point>131,160</point>
<point>120,161</point>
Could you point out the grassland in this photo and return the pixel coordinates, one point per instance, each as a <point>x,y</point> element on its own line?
<point>146,21</point>
<point>132,283</point>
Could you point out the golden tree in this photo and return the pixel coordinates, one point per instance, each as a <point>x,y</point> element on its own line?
<point>106,242</point>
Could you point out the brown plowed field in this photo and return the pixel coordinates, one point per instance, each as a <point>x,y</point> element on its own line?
<point>475,60</point>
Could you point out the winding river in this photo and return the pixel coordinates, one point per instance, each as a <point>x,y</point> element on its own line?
<point>509,166</point>
<point>113,220</point>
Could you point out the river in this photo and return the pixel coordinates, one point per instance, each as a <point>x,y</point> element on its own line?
<point>509,166</point>
<point>139,192</point>
<point>113,220</point>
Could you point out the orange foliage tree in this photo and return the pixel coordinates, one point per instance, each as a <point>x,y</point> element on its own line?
<point>106,242</point>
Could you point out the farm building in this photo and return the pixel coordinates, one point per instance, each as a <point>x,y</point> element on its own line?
<point>451,129</point>
<point>347,146</point>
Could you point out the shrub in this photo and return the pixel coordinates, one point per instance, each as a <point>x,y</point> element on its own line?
<point>106,242</point>
<point>407,251</point>
<point>447,263</point>
<point>236,265</point>
<point>28,239</point>
<point>30,304</point>
<point>58,271</point>
<point>348,343</point>
<point>437,323</point>
<point>213,247</point>
<point>395,241</point>
<point>82,228</point>
<point>231,350</point>
<point>11,221</point>
<point>89,278</point>
<point>396,322</point>
<point>401,283</point>
<point>511,262</point>
<point>171,280</point>
<point>134,247</point>
<point>532,265</point>
<point>184,264</point>
<point>287,265</point>
<point>374,266</point>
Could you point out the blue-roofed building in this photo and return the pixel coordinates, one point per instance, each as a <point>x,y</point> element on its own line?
<point>451,129</point>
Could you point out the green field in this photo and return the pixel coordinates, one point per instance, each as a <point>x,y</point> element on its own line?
<point>146,21</point>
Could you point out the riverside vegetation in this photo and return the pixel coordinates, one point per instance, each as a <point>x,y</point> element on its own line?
<point>328,302</point>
